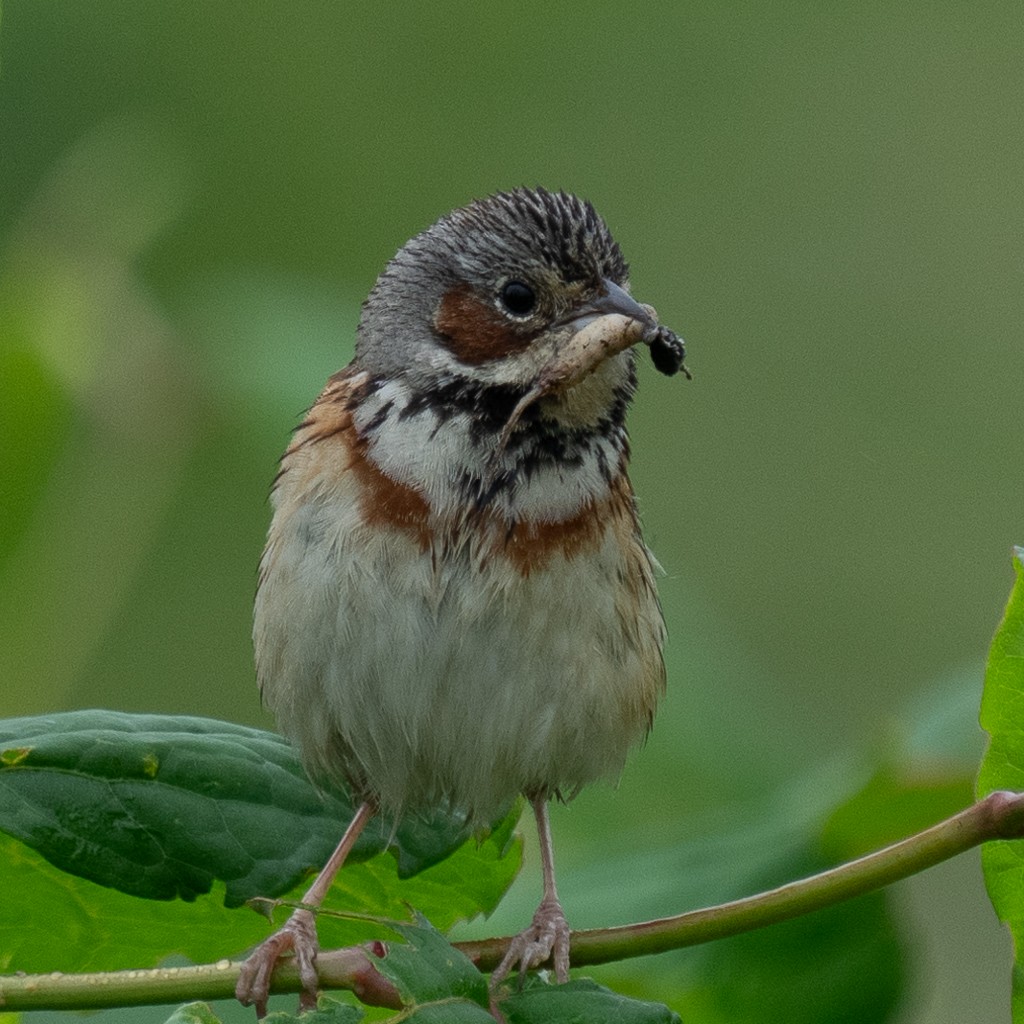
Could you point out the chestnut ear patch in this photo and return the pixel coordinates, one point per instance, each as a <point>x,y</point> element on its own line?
<point>473,330</point>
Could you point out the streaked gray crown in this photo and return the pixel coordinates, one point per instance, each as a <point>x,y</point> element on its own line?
<point>508,234</point>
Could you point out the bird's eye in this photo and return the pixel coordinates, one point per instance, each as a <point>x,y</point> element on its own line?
<point>518,298</point>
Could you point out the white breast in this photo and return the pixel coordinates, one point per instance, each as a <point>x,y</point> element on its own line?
<point>443,674</point>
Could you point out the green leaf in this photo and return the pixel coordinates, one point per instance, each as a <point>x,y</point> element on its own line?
<point>328,1011</point>
<point>447,1011</point>
<point>162,806</point>
<point>426,968</point>
<point>581,1000</point>
<point>193,1013</point>
<point>54,921</point>
<point>470,882</point>
<point>440,985</point>
<point>1002,716</point>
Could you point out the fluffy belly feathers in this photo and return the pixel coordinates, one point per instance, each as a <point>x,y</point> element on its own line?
<point>448,676</point>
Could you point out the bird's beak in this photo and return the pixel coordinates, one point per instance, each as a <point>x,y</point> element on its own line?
<point>613,300</point>
<point>602,328</point>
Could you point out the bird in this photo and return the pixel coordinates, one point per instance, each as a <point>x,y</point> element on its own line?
<point>456,606</point>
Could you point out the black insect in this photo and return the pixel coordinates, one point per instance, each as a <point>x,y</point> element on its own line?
<point>667,352</point>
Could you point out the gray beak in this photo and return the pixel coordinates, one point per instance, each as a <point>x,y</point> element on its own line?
<point>615,299</point>
<point>618,300</point>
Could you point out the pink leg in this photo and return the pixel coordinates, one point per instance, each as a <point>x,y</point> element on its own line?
<point>298,933</point>
<point>548,934</point>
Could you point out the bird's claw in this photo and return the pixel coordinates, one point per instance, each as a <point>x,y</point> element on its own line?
<point>546,938</point>
<point>298,934</point>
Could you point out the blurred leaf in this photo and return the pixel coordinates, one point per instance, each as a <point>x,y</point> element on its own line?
<point>840,964</point>
<point>892,805</point>
<point>161,806</point>
<point>34,415</point>
<point>1002,716</point>
<point>268,342</point>
<point>844,963</point>
<point>940,725</point>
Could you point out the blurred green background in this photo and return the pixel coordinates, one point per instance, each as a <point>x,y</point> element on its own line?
<point>825,202</point>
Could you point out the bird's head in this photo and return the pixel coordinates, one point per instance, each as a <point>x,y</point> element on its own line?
<point>524,292</point>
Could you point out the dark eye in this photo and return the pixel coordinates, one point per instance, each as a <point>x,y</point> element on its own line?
<point>518,298</point>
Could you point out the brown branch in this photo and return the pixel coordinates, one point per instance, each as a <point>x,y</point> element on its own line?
<point>998,816</point>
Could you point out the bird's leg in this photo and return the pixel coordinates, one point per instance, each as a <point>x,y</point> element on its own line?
<point>548,934</point>
<point>298,933</point>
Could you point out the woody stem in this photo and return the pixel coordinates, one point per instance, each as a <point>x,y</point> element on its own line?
<point>998,816</point>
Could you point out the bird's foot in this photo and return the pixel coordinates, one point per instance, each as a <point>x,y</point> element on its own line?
<point>546,938</point>
<point>298,934</point>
